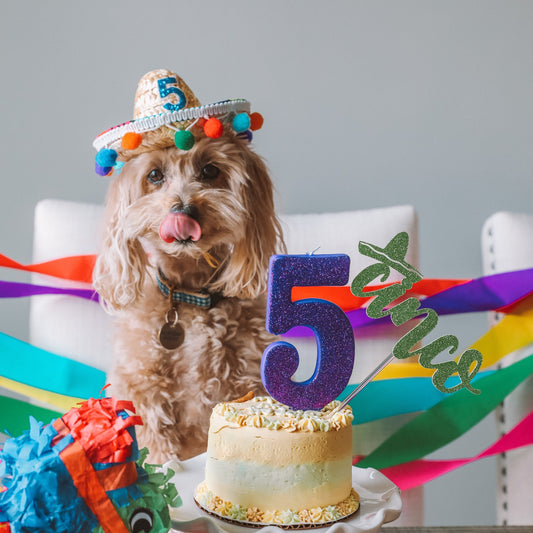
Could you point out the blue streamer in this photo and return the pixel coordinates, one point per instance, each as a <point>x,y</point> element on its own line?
<point>410,395</point>
<point>22,362</point>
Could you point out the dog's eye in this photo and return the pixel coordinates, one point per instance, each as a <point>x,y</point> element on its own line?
<point>155,176</point>
<point>209,172</point>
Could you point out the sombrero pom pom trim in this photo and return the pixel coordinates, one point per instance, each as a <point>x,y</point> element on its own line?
<point>141,125</point>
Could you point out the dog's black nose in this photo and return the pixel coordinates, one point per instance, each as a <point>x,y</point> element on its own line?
<point>190,210</point>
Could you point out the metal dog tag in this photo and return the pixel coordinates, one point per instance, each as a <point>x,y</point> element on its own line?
<point>171,335</point>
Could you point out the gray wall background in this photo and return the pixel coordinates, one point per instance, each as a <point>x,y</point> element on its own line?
<point>367,104</point>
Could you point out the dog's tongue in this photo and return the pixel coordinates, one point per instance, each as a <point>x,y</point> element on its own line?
<point>179,227</point>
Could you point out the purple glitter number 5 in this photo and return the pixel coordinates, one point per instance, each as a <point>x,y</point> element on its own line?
<point>334,336</point>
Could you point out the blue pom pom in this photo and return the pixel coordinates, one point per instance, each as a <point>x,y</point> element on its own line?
<point>241,122</point>
<point>106,157</point>
<point>102,171</point>
<point>118,167</point>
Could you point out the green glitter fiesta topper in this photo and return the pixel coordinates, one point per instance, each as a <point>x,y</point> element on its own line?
<point>393,257</point>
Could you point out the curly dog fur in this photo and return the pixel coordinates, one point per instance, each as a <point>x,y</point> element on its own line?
<point>232,202</point>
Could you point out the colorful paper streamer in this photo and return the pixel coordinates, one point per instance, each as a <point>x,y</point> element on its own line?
<point>456,295</point>
<point>76,268</point>
<point>38,368</point>
<point>14,415</point>
<point>449,419</point>
<point>12,289</point>
<point>414,394</point>
<point>57,401</point>
<point>347,301</point>
<point>512,333</point>
<point>410,475</point>
<point>410,395</point>
<point>487,293</point>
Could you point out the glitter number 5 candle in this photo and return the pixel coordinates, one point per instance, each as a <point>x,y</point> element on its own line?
<point>334,335</point>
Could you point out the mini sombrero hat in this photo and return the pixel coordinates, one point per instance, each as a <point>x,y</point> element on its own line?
<point>164,113</point>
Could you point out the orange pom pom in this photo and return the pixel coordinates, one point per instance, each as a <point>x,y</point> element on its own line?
<point>256,121</point>
<point>213,128</point>
<point>131,140</point>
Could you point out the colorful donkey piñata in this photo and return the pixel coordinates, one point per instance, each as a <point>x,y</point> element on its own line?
<point>83,473</point>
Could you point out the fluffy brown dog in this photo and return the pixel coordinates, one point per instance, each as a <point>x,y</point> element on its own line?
<point>203,222</point>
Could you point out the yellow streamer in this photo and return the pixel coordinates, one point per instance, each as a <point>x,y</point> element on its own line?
<point>404,370</point>
<point>514,332</point>
<point>63,403</point>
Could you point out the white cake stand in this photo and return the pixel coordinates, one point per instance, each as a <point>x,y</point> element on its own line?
<point>380,503</point>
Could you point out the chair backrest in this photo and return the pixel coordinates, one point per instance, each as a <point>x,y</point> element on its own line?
<point>68,326</point>
<point>81,330</point>
<point>507,244</point>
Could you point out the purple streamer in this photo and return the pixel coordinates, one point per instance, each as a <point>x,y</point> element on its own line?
<point>481,294</point>
<point>11,289</point>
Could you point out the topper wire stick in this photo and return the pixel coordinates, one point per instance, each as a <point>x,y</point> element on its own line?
<point>363,384</point>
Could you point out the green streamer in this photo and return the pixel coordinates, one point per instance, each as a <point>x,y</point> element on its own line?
<point>449,419</point>
<point>15,414</point>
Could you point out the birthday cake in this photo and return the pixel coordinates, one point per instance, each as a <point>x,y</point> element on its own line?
<point>269,464</point>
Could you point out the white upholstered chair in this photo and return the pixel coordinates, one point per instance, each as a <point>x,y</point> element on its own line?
<point>507,244</point>
<point>81,330</point>
<point>65,325</point>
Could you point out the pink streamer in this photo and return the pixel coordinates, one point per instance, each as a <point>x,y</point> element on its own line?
<point>415,473</point>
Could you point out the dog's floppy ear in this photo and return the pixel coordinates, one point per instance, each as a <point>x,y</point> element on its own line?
<point>120,266</point>
<point>245,275</point>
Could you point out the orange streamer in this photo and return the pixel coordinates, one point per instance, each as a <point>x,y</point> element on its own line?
<point>80,268</point>
<point>75,268</point>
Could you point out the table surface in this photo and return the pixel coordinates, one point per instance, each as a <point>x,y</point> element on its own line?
<point>460,529</point>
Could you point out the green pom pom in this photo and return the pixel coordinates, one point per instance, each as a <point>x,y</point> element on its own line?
<point>184,139</point>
